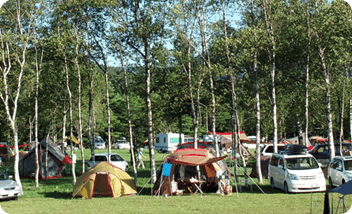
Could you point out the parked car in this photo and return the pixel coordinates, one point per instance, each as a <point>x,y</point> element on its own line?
<point>340,170</point>
<point>9,189</point>
<point>121,144</point>
<point>116,160</point>
<point>268,149</point>
<point>322,152</point>
<point>296,172</point>
<point>99,143</point>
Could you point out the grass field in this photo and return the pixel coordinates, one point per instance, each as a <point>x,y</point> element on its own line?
<point>54,196</point>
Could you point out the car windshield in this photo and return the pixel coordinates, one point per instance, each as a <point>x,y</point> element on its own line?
<point>301,163</point>
<point>99,158</point>
<point>116,158</point>
<point>348,164</point>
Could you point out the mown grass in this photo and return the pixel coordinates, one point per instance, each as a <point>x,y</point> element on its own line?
<point>54,196</point>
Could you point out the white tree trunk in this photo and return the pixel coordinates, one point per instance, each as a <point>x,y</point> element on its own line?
<point>80,138</point>
<point>306,139</point>
<point>272,56</point>
<point>128,108</point>
<point>328,104</point>
<point>109,116</point>
<point>71,120</point>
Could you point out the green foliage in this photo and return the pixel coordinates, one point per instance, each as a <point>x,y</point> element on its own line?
<point>164,28</point>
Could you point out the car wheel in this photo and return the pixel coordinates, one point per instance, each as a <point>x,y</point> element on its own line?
<point>330,183</point>
<point>343,181</point>
<point>272,184</point>
<point>286,188</point>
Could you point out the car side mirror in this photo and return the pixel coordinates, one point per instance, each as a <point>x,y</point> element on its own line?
<point>339,168</point>
<point>281,167</point>
<point>319,164</point>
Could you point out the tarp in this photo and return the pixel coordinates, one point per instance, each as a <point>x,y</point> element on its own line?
<point>193,157</point>
<point>344,189</point>
<point>104,179</point>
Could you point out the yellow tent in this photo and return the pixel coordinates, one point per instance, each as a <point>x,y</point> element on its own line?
<point>104,180</point>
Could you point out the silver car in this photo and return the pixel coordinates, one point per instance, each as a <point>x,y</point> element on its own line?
<point>339,170</point>
<point>99,143</point>
<point>9,189</point>
<point>116,160</point>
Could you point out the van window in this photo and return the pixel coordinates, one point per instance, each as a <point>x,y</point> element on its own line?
<point>164,139</point>
<point>280,148</point>
<point>175,140</point>
<point>348,164</point>
<point>270,149</point>
<point>281,162</point>
<point>333,164</point>
<point>301,163</point>
<point>344,148</point>
<point>274,160</point>
<point>157,140</point>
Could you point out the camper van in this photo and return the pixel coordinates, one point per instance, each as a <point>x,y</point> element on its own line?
<point>168,141</point>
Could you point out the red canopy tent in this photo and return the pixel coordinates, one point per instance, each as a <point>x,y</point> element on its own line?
<point>184,162</point>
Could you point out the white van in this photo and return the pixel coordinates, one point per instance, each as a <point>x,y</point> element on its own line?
<point>296,173</point>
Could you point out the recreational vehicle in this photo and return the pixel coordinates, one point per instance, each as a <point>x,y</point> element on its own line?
<point>168,141</point>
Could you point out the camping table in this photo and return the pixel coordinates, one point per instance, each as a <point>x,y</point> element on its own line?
<point>197,185</point>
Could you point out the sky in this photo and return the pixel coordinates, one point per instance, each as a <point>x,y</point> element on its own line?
<point>233,15</point>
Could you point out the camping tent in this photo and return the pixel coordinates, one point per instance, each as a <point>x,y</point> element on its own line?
<point>344,189</point>
<point>226,138</point>
<point>104,179</point>
<point>264,165</point>
<point>57,161</point>
<point>184,164</point>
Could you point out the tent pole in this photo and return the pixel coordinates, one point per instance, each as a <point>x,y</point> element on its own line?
<point>235,182</point>
<point>254,182</point>
<point>80,188</point>
<point>161,183</point>
<point>148,182</point>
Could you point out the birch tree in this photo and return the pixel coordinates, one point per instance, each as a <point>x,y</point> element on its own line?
<point>38,66</point>
<point>144,25</point>
<point>267,4</point>
<point>14,40</point>
<point>120,48</point>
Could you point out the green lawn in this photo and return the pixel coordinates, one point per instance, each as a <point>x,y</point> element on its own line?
<point>54,196</point>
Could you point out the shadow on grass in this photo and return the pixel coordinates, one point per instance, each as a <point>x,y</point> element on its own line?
<point>58,195</point>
